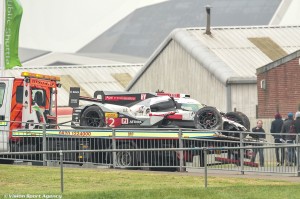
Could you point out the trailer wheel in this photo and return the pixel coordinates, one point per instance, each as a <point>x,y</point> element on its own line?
<point>93,116</point>
<point>126,158</point>
<point>208,118</point>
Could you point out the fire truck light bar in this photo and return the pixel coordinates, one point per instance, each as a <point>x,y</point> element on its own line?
<point>40,76</point>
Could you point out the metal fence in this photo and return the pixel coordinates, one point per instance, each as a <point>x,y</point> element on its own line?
<point>207,152</point>
<point>172,149</point>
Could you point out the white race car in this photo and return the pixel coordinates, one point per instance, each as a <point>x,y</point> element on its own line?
<point>161,110</point>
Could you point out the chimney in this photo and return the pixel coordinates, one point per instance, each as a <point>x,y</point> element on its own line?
<point>207,8</point>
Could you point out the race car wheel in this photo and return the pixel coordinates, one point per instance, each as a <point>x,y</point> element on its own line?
<point>93,116</point>
<point>240,118</point>
<point>246,120</point>
<point>208,118</point>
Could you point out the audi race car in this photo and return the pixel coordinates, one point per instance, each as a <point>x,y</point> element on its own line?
<point>161,110</point>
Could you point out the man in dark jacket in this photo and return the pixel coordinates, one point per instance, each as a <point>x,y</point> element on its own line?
<point>297,123</point>
<point>289,137</point>
<point>276,127</point>
<point>259,133</point>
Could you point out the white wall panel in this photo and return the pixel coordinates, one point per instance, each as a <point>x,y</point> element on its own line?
<point>174,70</point>
<point>244,98</point>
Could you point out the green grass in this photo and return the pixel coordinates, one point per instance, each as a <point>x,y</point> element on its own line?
<point>105,183</point>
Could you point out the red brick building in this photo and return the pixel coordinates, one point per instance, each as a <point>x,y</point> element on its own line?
<point>278,86</point>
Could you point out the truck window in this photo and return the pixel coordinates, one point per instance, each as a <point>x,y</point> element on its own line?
<point>19,94</point>
<point>2,91</point>
<point>38,96</point>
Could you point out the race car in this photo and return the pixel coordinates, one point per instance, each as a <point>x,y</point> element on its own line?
<point>160,110</point>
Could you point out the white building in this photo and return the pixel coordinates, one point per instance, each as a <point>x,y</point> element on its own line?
<point>217,69</point>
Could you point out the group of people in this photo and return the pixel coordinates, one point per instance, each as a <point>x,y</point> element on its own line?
<point>288,130</point>
<point>283,131</point>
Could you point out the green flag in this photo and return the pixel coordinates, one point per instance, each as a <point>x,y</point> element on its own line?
<point>13,15</point>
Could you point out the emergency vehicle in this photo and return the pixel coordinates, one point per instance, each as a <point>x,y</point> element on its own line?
<point>25,103</point>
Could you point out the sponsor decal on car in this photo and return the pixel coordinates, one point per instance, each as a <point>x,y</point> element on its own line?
<point>143,96</point>
<point>111,115</point>
<point>119,98</point>
<point>135,122</point>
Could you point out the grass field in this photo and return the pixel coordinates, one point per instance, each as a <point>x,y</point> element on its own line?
<point>105,183</point>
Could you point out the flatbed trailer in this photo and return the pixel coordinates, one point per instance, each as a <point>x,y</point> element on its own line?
<point>108,138</point>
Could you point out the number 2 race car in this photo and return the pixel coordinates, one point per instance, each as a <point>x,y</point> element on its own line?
<point>160,110</point>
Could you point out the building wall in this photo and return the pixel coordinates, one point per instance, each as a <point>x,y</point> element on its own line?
<point>244,98</point>
<point>282,91</point>
<point>174,70</point>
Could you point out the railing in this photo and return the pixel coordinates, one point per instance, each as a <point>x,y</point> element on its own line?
<point>134,148</point>
<point>205,151</point>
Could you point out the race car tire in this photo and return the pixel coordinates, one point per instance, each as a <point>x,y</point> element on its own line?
<point>240,118</point>
<point>246,120</point>
<point>93,116</point>
<point>208,118</point>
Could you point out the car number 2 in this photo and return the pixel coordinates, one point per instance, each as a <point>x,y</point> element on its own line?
<point>110,122</point>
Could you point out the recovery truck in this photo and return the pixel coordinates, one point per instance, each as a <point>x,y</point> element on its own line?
<point>28,102</point>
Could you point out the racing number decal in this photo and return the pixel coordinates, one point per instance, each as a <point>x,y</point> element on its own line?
<point>124,121</point>
<point>110,122</point>
<point>113,122</point>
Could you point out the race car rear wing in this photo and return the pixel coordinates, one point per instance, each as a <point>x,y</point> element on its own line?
<point>111,97</point>
<point>116,97</point>
<point>121,98</point>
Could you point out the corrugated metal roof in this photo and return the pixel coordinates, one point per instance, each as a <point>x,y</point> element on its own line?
<point>228,53</point>
<point>90,78</point>
<point>139,33</point>
<point>232,45</point>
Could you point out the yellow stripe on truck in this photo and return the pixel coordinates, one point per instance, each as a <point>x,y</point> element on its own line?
<point>127,133</point>
<point>3,123</point>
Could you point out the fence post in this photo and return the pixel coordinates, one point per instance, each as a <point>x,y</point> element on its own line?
<point>114,146</point>
<point>44,145</point>
<point>297,156</point>
<point>242,153</point>
<point>61,171</point>
<point>205,167</point>
<point>180,152</point>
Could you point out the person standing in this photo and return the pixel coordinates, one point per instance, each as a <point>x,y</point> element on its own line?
<point>276,127</point>
<point>297,122</point>
<point>289,137</point>
<point>260,135</point>
<point>297,127</point>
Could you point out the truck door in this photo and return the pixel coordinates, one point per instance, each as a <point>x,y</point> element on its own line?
<point>5,106</point>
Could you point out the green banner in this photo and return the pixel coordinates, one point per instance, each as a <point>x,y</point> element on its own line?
<point>13,15</point>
